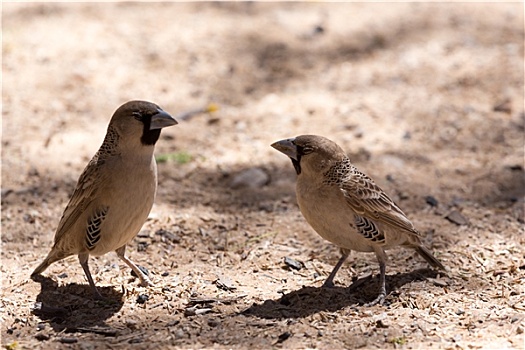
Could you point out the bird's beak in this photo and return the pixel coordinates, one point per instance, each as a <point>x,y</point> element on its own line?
<point>161,120</point>
<point>287,147</point>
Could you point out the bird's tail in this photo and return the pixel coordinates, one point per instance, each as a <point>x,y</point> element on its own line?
<point>427,255</point>
<point>51,258</point>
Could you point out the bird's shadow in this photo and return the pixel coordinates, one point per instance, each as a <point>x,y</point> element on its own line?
<point>72,307</point>
<point>310,300</point>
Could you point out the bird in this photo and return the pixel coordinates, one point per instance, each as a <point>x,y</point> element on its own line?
<point>346,207</point>
<point>115,192</point>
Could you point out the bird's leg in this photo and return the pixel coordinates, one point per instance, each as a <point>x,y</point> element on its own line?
<point>381,258</point>
<point>144,280</point>
<point>329,283</point>
<point>83,259</point>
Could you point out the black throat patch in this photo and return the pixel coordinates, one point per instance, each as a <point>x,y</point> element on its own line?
<point>297,164</point>
<point>149,137</point>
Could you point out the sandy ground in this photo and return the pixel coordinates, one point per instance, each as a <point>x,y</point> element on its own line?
<point>425,98</point>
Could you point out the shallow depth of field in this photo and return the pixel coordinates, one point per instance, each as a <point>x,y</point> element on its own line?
<point>428,99</point>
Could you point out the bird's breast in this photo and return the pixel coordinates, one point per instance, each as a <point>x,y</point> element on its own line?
<point>325,209</point>
<point>129,197</point>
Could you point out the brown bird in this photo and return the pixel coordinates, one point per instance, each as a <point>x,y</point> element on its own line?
<point>346,207</point>
<point>114,193</point>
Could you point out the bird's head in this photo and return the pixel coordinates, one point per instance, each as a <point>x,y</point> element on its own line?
<point>141,120</point>
<point>310,153</point>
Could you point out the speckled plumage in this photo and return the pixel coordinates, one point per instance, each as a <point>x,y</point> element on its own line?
<point>115,192</point>
<point>345,206</point>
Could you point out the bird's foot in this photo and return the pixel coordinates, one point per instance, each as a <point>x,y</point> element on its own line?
<point>379,300</point>
<point>146,282</point>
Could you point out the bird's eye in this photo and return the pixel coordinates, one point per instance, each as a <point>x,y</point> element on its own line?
<point>137,116</point>
<point>307,150</point>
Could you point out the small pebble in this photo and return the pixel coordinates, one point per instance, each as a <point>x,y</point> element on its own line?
<point>131,324</point>
<point>142,298</point>
<point>68,340</point>
<point>283,337</point>
<point>168,235</point>
<point>141,268</point>
<point>293,264</point>
<point>179,334</point>
<point>42,336</point>
<point>250,178</point>
<point>457,218</point>
<point>142,246</point>
<point>381,324</point>
<point>433,202</point>
<point>319,29</point>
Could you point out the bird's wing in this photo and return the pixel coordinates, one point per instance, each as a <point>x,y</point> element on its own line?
<point>84,194</point>
<point>369,230</point>
<point>369,201</point>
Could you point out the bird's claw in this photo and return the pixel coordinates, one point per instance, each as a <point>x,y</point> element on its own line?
<point>379,300</point>
<point>146,282</point>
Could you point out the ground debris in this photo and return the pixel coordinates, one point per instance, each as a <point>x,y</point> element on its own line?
<point>108,332</point>
<point>194,311</point>
<point>142,298</point>
<point>68,340</point>
<point>432,201</point>
<point>225,283</point>
<point>250,178</point>
<point>283,337</point>
<point>41,308</point>
<point>167,235</point>
<point>210,300</point>
<point>504,106</point>
<point>293,264</point>
<point>42,336</point>
<point>438,282</point>
<point>457,218</point>
<point>141,268</point>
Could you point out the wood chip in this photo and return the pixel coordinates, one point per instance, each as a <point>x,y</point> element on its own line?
<point>108,332</point>
<point>438,282</point>
<point>193,311</point>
